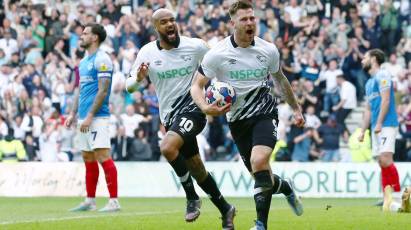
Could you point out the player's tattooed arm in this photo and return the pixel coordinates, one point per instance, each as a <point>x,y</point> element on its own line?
<point>286,89</point>
<point>290,97</point>
<point>103,90</point>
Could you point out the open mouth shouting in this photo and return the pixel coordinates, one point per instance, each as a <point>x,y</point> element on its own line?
<point>250,32</point>
<point>171,34</point>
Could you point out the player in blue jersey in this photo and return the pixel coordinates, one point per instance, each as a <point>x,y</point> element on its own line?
<point>380,112</point>
<point>91,107</point>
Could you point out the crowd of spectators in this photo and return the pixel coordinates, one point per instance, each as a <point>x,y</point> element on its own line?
<point>321,43</point>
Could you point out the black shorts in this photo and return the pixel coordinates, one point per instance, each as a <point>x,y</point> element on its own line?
<point>247,133</point>
<point>188,126</point>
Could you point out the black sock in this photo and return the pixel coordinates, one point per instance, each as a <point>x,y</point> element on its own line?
<point>262,195</point>
<point>281,186</point>
<point>179,166</point>
<point>210,187</point>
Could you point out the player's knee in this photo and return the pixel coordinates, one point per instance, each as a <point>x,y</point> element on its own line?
<point>259,160</point>
<point>99,155</point>
<point>89,156</point>
<point>385,160</point>
<point>168,149</point>
<point>199,174</point>
<point>102,158</point>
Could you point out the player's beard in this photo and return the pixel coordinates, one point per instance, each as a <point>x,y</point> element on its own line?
<point>174,42</point>
<point>366,67</point>
<point>84,45</point>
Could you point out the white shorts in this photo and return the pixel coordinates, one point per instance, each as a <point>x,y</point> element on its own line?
<point>98,136</point>
<point>384,141</point>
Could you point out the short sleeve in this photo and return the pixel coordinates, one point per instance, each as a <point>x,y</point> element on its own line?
<point>103,65</point>
<point>202,49</point>
<point>275,60</point>
<point>209,65</point>
<point>384,82</point>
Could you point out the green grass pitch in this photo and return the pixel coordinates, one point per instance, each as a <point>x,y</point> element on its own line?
<point>167,214</point>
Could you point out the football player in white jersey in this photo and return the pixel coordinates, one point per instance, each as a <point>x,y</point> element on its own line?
<point>170,63</point>
<point>246,62</point>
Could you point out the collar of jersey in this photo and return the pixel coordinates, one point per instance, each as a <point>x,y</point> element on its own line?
<point>91,55</point>
<point>235,45</point>
<point>176,46</point>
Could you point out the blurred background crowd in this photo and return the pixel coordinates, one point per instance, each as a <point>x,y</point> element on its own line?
<point>321,43</point>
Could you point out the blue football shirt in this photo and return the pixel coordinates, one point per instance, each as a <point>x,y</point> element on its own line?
<point>378,83</point>
<point>91,68</point>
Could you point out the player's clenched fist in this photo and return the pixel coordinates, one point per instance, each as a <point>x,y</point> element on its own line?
<point>299,119</point>
<point>142,71</point>
<point>215,110</point>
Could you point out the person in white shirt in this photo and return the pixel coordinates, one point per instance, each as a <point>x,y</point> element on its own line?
<point>19,132</point>
<point>131,120</point>
<point>32,124</point>
<point>7,74</point>
<point>392,66</point>
<point>295,11</point>
<point>285,113</point>
<point>331,88</point>
<point>348,99</point>
<point>3,60</point>
<point>3,127</point>
<point>171,63</point>
<point>247,63</point>
<point>49,143</point>
<point>8,45</point>
<point>311,120</point>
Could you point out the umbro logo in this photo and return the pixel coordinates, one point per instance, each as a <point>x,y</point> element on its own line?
<point>232,61</point>
<point>158,62</point>
<point>262,59</point>
<point>186,57</point>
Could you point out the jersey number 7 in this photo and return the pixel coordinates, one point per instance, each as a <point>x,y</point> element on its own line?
<point>384,139</point>
<point>94,133</point>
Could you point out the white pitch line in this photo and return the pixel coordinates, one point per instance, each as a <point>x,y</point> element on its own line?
<point>115,214</point>
<point>87,217</point>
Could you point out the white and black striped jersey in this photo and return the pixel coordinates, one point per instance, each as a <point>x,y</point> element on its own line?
<point>172,72</point>
<point>247,70</point>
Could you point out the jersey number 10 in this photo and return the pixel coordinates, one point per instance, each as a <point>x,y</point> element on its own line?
<point>186,124</point>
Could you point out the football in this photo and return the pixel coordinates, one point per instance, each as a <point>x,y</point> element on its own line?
<point>220,91</point>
